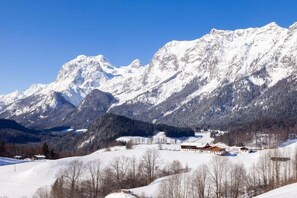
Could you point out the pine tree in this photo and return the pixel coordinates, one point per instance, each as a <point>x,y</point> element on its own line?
<point>45,150</point>
<point>2,149</point>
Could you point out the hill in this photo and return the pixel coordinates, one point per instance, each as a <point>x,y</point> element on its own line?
<point>13,132</point>
<point>109,127</point>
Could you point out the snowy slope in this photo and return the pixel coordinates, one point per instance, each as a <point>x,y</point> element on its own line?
<point>8,161</point>
<point>119,195</point>
<point>32,175</point>
<point>289,191</point>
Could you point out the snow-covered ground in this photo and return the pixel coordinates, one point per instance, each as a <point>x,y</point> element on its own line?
<point>25,178</point>
<point>120,195</point>
<point>288,191</point>
<point>8,161</point>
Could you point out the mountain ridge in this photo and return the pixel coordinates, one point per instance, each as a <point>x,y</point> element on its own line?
<point>181,77</point>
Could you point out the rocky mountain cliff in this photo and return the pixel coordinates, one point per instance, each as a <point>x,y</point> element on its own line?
<point>220,79</point>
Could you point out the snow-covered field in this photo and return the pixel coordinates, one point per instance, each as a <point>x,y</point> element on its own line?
<point>8,161</point>
<point>22,180</point>
<point>288,191</point>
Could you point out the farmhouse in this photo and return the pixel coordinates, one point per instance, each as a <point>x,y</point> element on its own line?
<point>18,157</point>
<point>217,150</point>
<point>39,157</point>
<point>194,146</point>
<point>202,148</point>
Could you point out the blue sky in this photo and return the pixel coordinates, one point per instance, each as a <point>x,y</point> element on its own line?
<point>37,37</point>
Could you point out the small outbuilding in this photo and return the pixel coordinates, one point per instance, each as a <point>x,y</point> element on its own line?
<point>217,150</point>
<point>39,157</point>
<point>244,150</point>
<point>18,157</point>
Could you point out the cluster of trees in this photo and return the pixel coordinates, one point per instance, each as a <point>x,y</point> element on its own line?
<point>109,127</point>
<point>27,151</point>
<point>222,178</point>
<point>219,179</point>
<point>277,131</point>
<point>95,179</point>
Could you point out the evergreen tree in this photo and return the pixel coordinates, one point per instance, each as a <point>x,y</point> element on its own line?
<point>45,150</point>
<point>2,148</point>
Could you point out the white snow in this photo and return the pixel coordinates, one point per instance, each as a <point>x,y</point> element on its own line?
<point>81,130</point>
<point>288,191</point>
<point>257,81</point>
<point>86,142</point>
<point>8,161</point>
<point>119,195</point>
<point>29,176</point>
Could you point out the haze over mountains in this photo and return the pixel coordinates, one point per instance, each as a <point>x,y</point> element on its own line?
<point>220,79</point>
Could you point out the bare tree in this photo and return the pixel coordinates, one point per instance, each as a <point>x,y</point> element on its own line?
<point>149,164</point>
<point>57,189</point>
<point>253,181</point>
<point>276,169</point>
<point>294,164</point>
<point>237,180</point>
<point>176,167</point>
<point>107,182</point>
<point>120,167</point>
<point>199,181</point>
<point>217,169</point>
<point>264,166</point>
<point>176,186</point>
<point>42,192</point>
<point>71,177</point>
<point>94,169</point>
<point>134,177</point>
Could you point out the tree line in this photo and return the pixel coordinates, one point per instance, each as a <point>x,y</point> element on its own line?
<point>223,179</point>
<point>96,179</point>
<point>220,178</point>
<point>27,151</point>
<point>277,131</point>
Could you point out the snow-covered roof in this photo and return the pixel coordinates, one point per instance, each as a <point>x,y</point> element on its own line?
<point>39,156</point>
<point>197,144</point>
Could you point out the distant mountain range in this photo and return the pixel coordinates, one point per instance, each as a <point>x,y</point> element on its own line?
<point>223,78</point>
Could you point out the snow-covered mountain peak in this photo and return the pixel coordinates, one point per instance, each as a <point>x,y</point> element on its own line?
<point>83,68</point>
<point>215,31</point>
<point>80,57</point>
<point>293,26</point>
<point>272,25</point>
<point>135,64</point>
<point>180,70</point>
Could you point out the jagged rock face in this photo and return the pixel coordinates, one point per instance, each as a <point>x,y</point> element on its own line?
<point>92,107</point>
<point>218,79</point>
<point>39,111</point>
<point>214,80</point>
